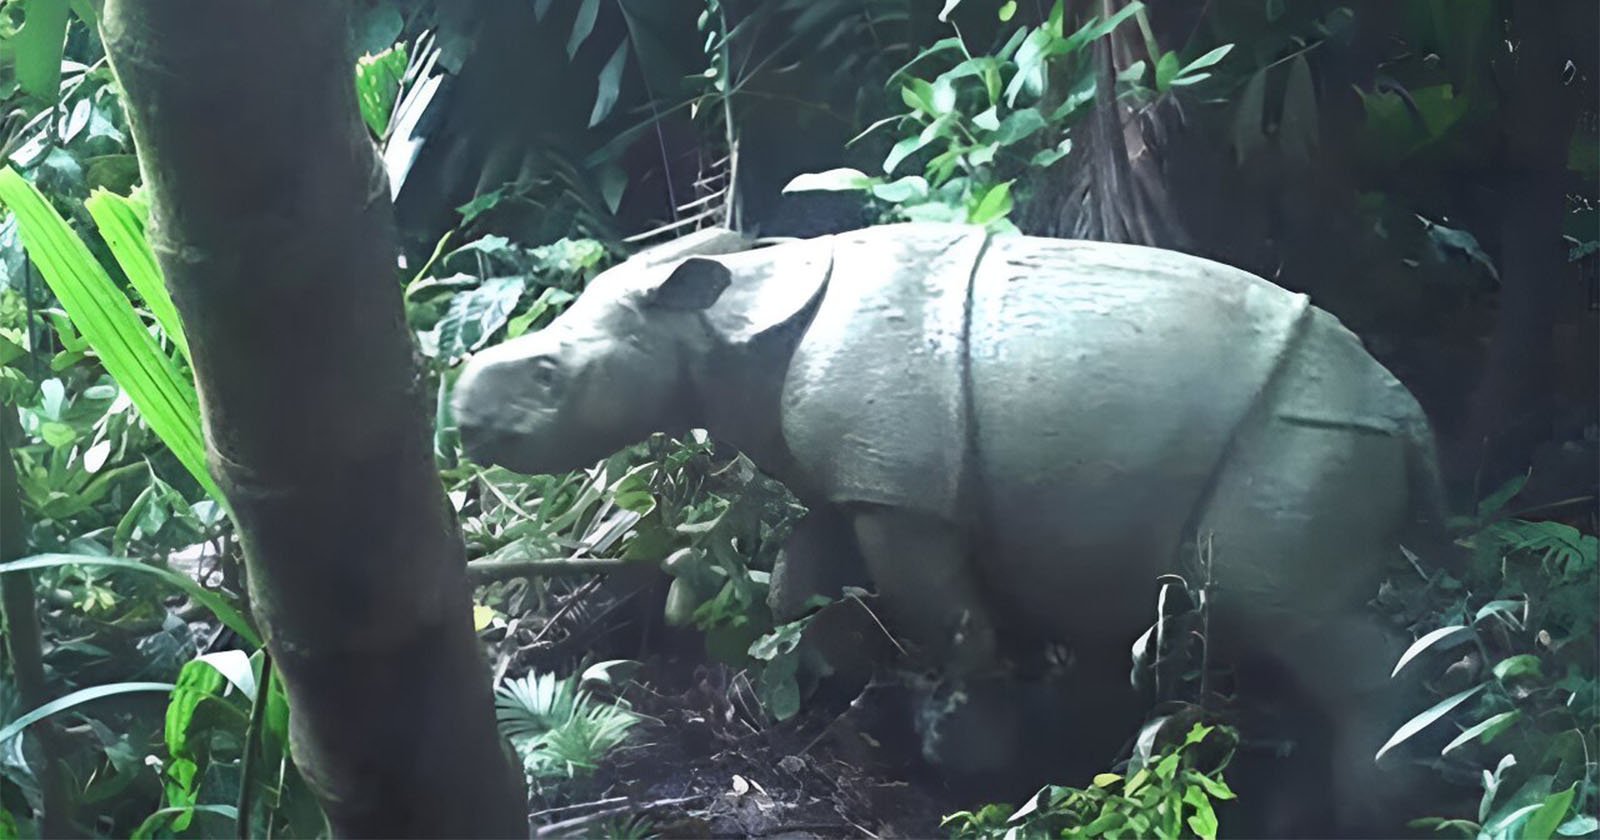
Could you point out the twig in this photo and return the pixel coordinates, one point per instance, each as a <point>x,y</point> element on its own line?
<point>572,600</point>
<point>874,617</point>
<point>587,819</point>
<point>610,800</point>
<point>481,571</point>
<point>1205,619</point>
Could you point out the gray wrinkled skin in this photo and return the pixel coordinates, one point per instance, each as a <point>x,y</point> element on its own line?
<point>1021,434</point>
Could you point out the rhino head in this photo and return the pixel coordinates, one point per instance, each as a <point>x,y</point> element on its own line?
<point>636,354</point>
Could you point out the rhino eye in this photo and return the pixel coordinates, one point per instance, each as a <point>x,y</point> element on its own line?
<point>544,371</point>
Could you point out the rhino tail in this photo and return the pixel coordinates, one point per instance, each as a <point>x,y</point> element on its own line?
<point>1427,535</point>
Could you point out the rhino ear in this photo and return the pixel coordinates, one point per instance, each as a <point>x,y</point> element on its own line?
<point>695,284</point>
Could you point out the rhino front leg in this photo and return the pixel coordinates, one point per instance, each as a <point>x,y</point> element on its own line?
<point>818,558</point>
<point>923,571</point>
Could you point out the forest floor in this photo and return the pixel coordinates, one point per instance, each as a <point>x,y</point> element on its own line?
<point>704,764</point>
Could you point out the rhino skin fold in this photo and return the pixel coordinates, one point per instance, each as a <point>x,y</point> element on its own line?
<point>272,224</point>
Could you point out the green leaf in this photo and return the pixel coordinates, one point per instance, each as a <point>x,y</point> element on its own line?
<point>1427,718</point>
<point>1509,607</point>
<point>99,310</point>
<point>582,26</point>
<point>1204,820</point>
<point>1166,71</point>
<point>1205,61</point>
<point>1008,10</point>
<point>610,84</point>
<point>1048,157</point>
<point>76,698</point>
<point>995,204</point>
<point>1217,788</point>
<point>1019,126</point>
<point>1248,135</point>
<point>1502,496</point>
<point>1298,129</point>
<point>1460,241</point>
<point>122,224</point>
<point>36,48</point>
<point>378,80</point>
<point>918,94</point>
<point>207,598</point>
<point>1428,640</point>
<point>949,6</point>
<point>1525,664</point>
<point>1485,730</point>
<point>904,149</point>
<point>833,180</point>
<point>901,190</point>
<point>473,316</point>
<point>1581,825</point>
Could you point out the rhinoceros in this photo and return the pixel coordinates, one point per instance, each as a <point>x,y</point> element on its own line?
<point>1018,435</point>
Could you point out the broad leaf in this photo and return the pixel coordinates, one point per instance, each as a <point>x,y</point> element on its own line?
<point>164,397</point>
<point>475,315</point>
<point>831,180</point>
<point>378,80</point>
<point>582,26</point>
<point>610,84</point>
<point>36,48</point>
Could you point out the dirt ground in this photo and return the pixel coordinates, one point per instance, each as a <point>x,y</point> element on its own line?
<point>704,763</point>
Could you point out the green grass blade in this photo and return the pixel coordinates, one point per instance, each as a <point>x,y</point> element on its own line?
<point>123,226</point>
<point>103,314</point>
<point>212,601</point>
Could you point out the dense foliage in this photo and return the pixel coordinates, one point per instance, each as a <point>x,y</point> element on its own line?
<point>1386,160</point>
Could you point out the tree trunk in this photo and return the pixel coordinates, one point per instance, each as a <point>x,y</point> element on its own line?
<point>19,624</point>
<point>272,223</point>
<point>1512,400</point>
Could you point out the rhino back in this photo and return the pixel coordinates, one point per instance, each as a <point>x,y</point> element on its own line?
<point>1107,381</point>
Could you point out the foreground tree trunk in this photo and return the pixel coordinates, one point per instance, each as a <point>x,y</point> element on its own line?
<point>272,223</point>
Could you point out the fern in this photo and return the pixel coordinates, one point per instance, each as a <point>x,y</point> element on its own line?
<point>557,730</point>
<point>1563,551</point>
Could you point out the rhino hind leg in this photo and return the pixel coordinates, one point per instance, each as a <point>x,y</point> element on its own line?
<point>1305,516</point>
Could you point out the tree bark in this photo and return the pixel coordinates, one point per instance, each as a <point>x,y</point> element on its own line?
<point>19,624</point>
<point>1540,113</point>
<point>271,220</point>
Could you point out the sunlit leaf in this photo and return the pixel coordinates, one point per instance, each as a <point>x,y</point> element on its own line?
<point>995,204</point>
<point>164,397</point>
<point>832,180</point>
<point>36,48</point>
<point>378,79</point>
<point>122,225</point>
